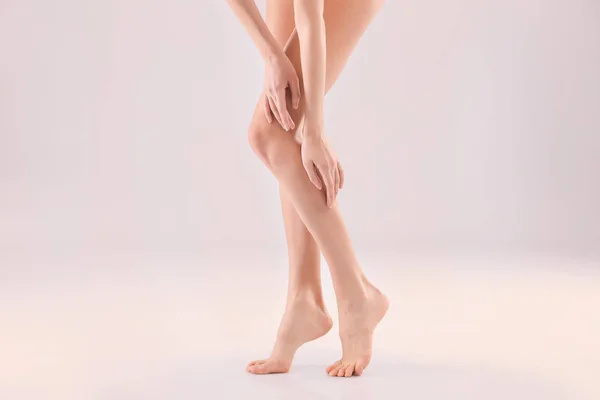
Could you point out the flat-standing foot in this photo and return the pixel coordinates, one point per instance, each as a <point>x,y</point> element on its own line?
<point>304,320</point>
<point>358,319</point>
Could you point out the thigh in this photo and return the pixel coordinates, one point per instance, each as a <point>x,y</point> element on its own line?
<point>280,19</point>
<point>345,23</point>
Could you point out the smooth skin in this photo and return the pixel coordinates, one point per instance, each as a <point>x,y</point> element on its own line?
<point>309,174</point>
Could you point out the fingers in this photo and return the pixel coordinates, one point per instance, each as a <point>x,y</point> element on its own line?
<point>295,91</point>
<point>336,175</point>
<point>331,178</point>
<point>279,110</point>
<point>329,181</point>
<point>312,175</point>
<point>267,110</point>
<point>341,171</point>
<point>274,110</point>
<point>286,119</point>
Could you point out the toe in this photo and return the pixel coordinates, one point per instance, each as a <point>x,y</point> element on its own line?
<point>341,371</point>
<point>349,370</point>
<point>253,368</point>
<point>334,365</point>
<point>260,369</point>
<point>359,369</point>
<point>255,362</point>
<point>334,371</point>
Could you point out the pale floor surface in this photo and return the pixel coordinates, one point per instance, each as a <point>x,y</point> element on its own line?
<point>184,327</point>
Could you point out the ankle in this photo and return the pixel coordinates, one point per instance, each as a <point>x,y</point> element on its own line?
<point>352,298</point>
<point>306,296</point>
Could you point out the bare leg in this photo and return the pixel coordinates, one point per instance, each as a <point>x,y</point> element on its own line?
<point>361,306</point>
<point>305,316</point>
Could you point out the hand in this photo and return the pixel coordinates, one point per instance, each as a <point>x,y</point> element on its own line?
<point>280,74</point>
<point>321,164</point>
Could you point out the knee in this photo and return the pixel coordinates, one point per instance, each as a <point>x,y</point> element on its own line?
<point>268,145</point>
<point>258,139</point>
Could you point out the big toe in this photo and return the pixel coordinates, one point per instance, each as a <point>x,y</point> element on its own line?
<point>260,369</point>
<point>360,367</point>
<point>268,367</point>
<point>256,362</point>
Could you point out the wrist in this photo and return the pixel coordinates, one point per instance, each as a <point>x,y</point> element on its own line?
<point>314,106</point>
<point>273,55</point>
<point>314,118</point>
<point>313,127</point>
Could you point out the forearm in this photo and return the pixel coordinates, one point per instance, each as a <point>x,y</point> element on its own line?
<point>311,33</point>
<point>250,17</point>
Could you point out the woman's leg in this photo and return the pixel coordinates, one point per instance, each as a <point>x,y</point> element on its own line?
<point>361,306</point>
<point>305,317</point>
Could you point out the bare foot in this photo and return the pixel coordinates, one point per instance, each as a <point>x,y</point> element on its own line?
<point>358,320</point>
<point>304,320</point>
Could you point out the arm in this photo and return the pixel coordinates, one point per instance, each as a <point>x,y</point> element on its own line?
<point>248,14</point>
<point>311,33</point>
<point>318,159</point>
<point>280,71</point>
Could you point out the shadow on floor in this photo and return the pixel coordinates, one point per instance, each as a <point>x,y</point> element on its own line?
<point>400,380</point>
<point>386,379</point>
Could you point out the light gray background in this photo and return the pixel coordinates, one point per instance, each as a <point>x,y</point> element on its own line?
<point>141,243</point>
<point>463,125</point>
